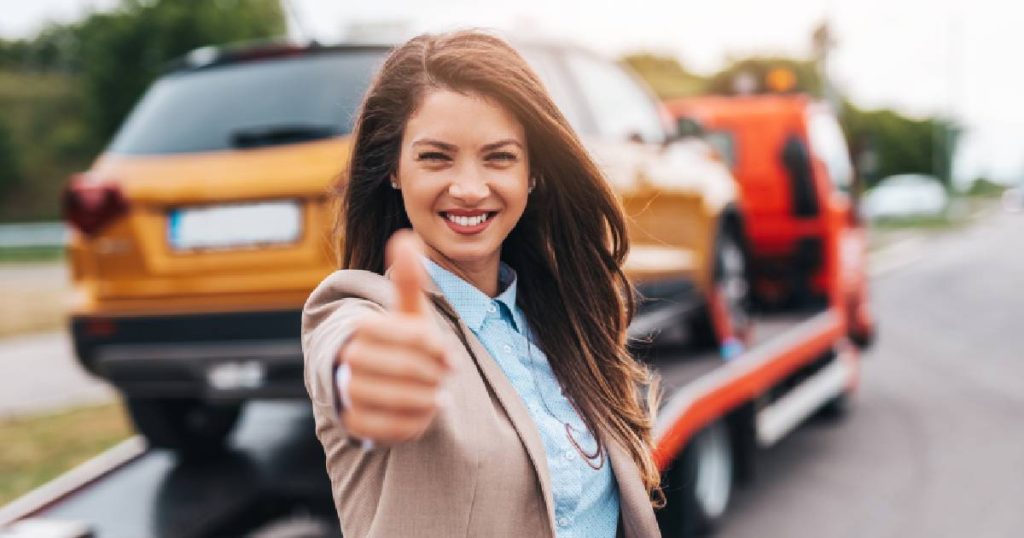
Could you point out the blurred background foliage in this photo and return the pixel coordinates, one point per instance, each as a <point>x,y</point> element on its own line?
<point>64,92</point>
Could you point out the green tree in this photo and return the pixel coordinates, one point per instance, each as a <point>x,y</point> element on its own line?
<point>900,144</point>
<point>123,51</point>
<point>665,75</point>
<point>64,92</point>
<point>10,164</point>
<point>806,72</point>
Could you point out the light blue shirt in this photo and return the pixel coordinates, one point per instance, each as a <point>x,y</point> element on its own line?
<point>586,500</point>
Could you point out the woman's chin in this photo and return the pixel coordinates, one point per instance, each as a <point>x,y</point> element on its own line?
<point>469,257</point>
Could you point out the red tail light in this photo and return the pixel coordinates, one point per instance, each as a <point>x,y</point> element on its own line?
<point>90,205</point>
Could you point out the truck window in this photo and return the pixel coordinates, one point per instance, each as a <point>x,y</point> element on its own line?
<point>829,145</point>
<point>725,143</point>
<point>621,108</point>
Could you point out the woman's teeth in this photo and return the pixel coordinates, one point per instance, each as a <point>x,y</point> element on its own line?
<point>467,221</point>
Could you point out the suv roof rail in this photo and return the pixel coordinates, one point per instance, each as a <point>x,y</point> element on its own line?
<point>216,55</point>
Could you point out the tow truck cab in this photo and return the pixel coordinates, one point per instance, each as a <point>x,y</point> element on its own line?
<point>798,189</point>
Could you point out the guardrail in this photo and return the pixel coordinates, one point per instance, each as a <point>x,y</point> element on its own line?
<point>34,234</point>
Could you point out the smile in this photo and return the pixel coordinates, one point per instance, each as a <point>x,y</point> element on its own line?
<point>468,222</point>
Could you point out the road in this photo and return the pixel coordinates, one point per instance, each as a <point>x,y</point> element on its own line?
<point>935,444</point>
<point>38,373</point>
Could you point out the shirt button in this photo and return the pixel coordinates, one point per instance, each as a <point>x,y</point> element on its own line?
<point>564,521</point>
<point>491,308</point>
<point>569,455</point>
<point>507,348</point>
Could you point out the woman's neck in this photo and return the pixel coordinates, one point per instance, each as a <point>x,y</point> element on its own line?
<point>481,274</point>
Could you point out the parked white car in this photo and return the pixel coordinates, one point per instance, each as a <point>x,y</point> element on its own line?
<point>1013,200</point>
<point>906,195</point>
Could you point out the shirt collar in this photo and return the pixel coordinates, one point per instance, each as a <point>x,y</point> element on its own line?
<point>470,303</point>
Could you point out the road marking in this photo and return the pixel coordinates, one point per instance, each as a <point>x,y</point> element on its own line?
<point>895,256</point>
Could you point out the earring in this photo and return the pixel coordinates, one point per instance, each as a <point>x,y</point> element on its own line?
<point>533,185</point>
<point>394,185</point>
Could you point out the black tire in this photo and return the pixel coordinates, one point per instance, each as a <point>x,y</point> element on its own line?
<point>699,485</point>
<point>836,409</point>
<point>732,277</point>
<point>863,337</point>
<point>192,428</point>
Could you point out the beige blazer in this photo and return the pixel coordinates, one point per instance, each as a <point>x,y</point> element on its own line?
<point>478,471</point>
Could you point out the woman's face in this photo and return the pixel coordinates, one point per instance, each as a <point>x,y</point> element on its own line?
<point>464,176</point>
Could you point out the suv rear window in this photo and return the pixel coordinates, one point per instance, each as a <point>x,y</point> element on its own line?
<point>248,104</point>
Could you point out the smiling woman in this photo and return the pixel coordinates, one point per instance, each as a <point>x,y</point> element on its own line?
<point>481,386</point>
<point>463,172</point>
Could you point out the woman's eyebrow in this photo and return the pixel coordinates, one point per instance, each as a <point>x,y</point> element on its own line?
<point>500,143</point>
<point>436,143</point>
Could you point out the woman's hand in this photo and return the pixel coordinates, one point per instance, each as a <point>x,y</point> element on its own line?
<point>397,360</point>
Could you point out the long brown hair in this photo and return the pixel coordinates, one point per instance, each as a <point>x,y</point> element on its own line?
<point>567,249</point>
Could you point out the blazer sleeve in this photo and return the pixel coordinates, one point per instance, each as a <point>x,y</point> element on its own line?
<point>328,319</point>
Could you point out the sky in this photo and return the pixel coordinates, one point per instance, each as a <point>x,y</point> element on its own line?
<point>950,57</point>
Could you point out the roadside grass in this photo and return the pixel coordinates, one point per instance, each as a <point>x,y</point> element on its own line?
<point>35,449</point>
<point>931,222</point>
<point>31,254</point>
<point>963,211</point>
<point>35,297</point>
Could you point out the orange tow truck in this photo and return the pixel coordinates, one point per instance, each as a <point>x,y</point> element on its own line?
<point>807,255</point>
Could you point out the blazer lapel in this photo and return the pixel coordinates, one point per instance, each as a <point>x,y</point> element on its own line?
<point>637,514</point>
<point>510,400</point>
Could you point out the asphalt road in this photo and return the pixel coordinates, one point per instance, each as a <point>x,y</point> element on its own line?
<point>39,374</point>
<point>934,446</point>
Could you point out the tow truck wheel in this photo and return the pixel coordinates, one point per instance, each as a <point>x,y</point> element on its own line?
<point>838,408</point>
<point>732,281</point>
<point>190,427</point>
<point>699,485</point>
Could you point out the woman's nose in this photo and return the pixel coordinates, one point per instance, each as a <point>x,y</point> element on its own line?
<point>469,187</point>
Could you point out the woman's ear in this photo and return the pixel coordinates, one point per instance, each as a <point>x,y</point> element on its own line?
<point>533,184</point>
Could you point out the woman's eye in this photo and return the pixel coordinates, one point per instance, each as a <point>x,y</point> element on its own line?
<point>432,156</point>
<point>502,156</point>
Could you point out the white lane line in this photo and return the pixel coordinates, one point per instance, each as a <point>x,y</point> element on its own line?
<point>896,256</point>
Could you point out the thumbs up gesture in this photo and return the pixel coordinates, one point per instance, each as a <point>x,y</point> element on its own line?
<point>397,359</point>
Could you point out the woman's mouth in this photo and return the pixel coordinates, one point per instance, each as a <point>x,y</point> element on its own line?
<point>467,222</point>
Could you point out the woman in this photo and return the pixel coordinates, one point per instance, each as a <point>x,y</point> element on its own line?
<point>482,387</point>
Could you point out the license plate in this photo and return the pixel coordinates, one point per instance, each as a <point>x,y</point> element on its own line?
<point>235,226</point>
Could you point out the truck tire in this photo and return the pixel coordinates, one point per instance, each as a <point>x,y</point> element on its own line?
<point>193,428</point>
<point>732,278</point>
<point>836,409</point>
<point>698,487</point>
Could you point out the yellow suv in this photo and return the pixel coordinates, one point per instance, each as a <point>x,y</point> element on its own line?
<point>201,230</point>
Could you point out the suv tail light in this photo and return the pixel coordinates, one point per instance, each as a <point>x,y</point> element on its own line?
<point>90,205</point>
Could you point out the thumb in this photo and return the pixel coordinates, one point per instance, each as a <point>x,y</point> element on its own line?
<point>404,251</point>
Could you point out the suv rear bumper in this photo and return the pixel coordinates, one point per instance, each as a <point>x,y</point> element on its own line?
<point>234,356</point>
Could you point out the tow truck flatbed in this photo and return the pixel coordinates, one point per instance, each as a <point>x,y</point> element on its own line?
<point>274,469</point>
